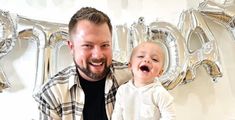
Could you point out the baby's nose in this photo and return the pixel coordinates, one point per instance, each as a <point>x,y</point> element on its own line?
<point>147,60</point>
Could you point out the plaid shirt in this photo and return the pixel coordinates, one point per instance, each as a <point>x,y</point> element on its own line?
<point>62,98</point>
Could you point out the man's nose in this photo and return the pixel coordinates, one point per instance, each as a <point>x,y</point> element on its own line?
<point>97,52</point>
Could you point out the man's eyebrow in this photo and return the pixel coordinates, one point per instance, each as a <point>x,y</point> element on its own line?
<point>90,42</point>
<point>108,41</point>
<point>93,42</point>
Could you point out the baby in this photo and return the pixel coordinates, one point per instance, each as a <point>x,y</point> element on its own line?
<point>143,97</point>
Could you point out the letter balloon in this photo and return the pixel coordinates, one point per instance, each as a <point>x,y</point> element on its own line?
<point>195,30</point>
<point>7,42</point>
<point>121,43</point>
<point>49,37</point>
<point>224,14</point>
<point>176,57</point>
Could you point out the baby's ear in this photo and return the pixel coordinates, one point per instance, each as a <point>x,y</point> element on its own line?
<point>161,72</point>
<point>129,65</point>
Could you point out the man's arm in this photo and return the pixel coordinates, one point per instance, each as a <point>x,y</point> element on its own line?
<point>47,108</point>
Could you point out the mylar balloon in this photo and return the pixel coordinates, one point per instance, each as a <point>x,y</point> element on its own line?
<point>56,41</point>
<point>195,30</point>
<point>7,33</point>
<point>49,38</point>
<point>39,37</point>
<point>3,80</point>
<point>121,43</point>
<point>7,42</point>
<point>173,42</point>
<point>138,33</point>
<point>224,14</point>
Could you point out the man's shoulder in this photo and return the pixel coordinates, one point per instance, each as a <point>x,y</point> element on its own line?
<point>59,80</point>
<point>121,72</point>
<point>119,65</point>
<point>64,74</point>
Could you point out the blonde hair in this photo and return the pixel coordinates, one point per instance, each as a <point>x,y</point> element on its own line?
<point>160,44</point>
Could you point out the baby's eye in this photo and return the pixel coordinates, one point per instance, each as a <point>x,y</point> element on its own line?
<point>155,60</point>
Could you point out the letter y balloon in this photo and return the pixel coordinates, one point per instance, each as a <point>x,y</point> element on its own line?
<point>224,14</point>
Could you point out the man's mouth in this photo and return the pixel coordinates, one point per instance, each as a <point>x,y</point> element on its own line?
<point>96,64</point>
<point>144,68</point>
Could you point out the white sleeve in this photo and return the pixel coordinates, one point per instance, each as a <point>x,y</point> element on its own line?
<point>166,106</point>
<point>118,110</point>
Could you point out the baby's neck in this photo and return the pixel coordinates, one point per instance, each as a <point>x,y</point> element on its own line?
<point>138,83</point>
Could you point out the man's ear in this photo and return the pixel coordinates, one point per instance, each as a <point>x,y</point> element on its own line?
<point>70,46</point>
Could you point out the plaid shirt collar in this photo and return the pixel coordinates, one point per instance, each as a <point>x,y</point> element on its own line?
<point>74,80</point>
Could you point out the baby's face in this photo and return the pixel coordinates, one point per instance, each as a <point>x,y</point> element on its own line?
<point>147,61</point>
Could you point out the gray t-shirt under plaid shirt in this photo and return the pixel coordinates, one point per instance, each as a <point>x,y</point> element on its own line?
<point>62,97</point>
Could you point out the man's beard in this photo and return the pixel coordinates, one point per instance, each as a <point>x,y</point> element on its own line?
<point>96,76</point>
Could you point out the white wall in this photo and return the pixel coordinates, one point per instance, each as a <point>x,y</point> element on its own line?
<point>199,100</point>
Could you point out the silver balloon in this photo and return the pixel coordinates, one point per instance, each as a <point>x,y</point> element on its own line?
<point>7,33</point>
<point>224,14</point>
<point>3,80</point>
<point>39,37</point>
<point>40,31</point>
<point>7,42</point>
<point>138,33</point>
<point>176,57</point>
<point>195,30</point>
<point>121,43</point>
<point>229,2</point>
<point>56,41</point>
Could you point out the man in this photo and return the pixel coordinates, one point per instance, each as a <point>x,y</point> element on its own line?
<point>87,89</point>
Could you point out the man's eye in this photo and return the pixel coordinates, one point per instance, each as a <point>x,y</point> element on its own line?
<point>105,45</point>
<point>140,56</point>
<point>87,46</point>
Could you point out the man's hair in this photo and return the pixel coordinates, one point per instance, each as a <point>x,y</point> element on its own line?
<point>90,14</point>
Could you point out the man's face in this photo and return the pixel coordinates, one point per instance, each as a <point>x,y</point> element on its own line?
<point>91,47</point>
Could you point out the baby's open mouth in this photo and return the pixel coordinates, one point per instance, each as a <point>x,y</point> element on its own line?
<point>144,68</point>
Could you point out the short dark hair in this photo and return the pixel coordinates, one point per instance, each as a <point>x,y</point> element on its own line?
<point>90,14</point>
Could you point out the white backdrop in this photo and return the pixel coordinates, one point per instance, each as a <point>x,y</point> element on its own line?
<point>199,100</point>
